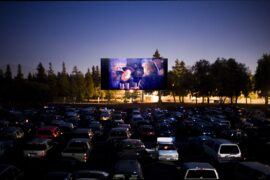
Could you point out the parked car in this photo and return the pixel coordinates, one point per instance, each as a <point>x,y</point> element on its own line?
<point>58,176</point>
<point>78,148</point>
<point>131,149</point>
<point>90,174</point>
<point>12,133</point>
<point>222,150</point>
<point>166,149</point>
<point>10,172</point>
<point>37,148</point>
<point>5,147</point>
<point>128,169</point>
<point>249,170</point>
<point>48,132</point>
<point>197,170</point>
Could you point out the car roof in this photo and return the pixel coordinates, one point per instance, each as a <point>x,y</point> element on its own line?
<point>4,167</point>
<point>119,129</point>
<point>257,165</point>
<point>131,140</point>
<point>79,140</point>
<point>127,165</point>
<point>48,128</point>
<point>82,130</point>
<point>92,171</point>
<point>195,165</point>
<point>38,141</point>
<point>223,141</point>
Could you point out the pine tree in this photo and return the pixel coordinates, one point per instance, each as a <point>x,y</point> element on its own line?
<point>19,73</point>
<point>8,73</point>
<point>41,74</point>
<point>89,85</point>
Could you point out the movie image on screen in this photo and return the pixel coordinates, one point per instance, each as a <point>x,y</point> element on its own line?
<point>133,73</point>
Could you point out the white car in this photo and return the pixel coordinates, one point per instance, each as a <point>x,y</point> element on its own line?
<point>166,149</point>
<point>37,148</point>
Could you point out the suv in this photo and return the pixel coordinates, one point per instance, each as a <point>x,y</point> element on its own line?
<point>37,148</point>
<point>198,170</point>
<point>222,150</point>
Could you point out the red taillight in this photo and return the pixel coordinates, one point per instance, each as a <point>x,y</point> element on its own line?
<point>43,153</point>
<point>85,157</point>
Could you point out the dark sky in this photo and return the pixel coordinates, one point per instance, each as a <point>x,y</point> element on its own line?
<point>80,33</point>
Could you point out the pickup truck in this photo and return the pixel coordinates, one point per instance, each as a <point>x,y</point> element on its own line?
<point>78,148</point>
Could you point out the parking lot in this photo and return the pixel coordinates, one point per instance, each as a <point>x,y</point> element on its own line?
<point>129,134</point>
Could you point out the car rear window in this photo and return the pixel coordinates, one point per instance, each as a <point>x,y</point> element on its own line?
<point>166,147</point>
<point>44,132</point>
<point>229,149</point>
<point>201,174</point>
<point>35,147</point>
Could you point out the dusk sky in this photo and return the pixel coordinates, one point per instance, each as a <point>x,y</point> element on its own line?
<point>81,33</point>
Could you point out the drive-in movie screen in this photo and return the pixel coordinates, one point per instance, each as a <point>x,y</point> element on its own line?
<point>134,73</point>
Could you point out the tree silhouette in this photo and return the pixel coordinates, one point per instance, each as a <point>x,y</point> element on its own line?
<point>8,73</point>
<point>203,80</point>
<point>41,74</point>
<point>262,76</point>
<point>89,85</point>
<point>181,79</point>
<point>19,75</point>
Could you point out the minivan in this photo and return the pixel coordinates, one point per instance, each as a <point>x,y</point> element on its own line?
<point>222,150</point>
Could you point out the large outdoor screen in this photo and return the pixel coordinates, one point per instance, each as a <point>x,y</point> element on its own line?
<point>134,73</point>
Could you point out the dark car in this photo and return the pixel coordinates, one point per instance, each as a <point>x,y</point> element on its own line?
<point>128,169</point>
<point>8,172</point>
<point>131,149</point>
<point>58,176</point>
<point>90,174</point>
<point>146,131</point>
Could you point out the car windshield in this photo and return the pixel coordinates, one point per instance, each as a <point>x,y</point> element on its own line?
<point>229,149</point>
<point>77,145</point>
<point>201,174</point>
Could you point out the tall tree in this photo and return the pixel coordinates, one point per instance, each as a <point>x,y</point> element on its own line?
<point>89,85</point>
<point>157,55</point>
<point>52,81</point>
<point>19,75</point>
<point>77,84</point>
<point>203,81</point>
<point>8,73</point>
<point>63,83</point>
<point>41,74</point>
<point>262,77</point>
<point>181,79</point>
<point>230,78</point>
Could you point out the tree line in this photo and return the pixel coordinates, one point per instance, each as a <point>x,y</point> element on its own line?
<point>48,86</point>
<point>225,78</point>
